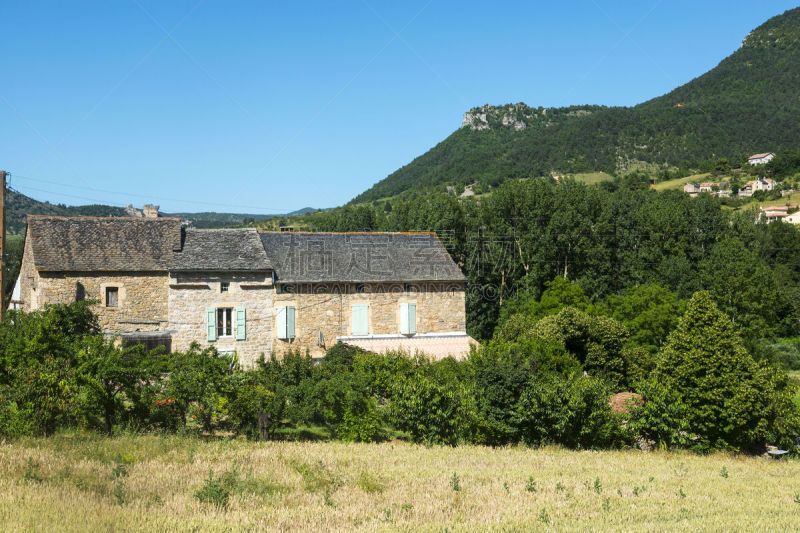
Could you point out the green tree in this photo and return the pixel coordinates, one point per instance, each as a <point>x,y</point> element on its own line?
<point>650,312</point>
<point>745,288</point>
<point>732,402</point>
<point>109,374</point>
<point>596,341</point>
<point>558,294</point>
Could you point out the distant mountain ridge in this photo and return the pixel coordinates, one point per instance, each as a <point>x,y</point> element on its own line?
<point>748,103</point>
<point>18,206</point>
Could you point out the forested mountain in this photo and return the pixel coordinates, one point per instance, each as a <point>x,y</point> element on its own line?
<point>746,104</point>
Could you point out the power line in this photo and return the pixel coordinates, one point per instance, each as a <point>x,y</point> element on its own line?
<point>137,195</point>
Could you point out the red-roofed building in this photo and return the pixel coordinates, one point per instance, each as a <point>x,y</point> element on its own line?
<point>761,159</point>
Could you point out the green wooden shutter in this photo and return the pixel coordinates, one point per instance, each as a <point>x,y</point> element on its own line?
<point>211,323</point>
<point>281,322</point>
<point>241,324</point>
<point>290,322</point>
<point>360,319</point>
<point>408,318</point>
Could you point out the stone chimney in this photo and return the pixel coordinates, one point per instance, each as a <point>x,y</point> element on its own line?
<point>150,211</point>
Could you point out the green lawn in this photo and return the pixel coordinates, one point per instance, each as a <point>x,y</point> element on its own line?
<point>592,178</point>
<point>791,200</point>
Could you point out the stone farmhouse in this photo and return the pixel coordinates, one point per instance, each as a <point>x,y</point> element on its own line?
<point>155,282</point>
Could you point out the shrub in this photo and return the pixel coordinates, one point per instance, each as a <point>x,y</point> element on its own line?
<point>214,490</point>
<point>250,396</point>
<point>109,375</point>
<point>47,393</point>
<point>369,483</point>
<point>13,422</point>
<point>361,421</point>
<point>572,411</point>
<point>432,408</point>
<point>596,341</point>
<point>202,377</point>
<point>660,417</point>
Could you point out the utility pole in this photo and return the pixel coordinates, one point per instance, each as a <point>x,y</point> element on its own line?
<point>2,245</point>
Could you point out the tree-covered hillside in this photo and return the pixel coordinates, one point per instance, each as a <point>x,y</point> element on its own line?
<point>747,104</point>
<point>18,206</point>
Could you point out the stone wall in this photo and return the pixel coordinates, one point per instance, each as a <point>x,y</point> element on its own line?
<point>190,295</point>
<point>28,277</point>
<point>326,308</point>
<point>142,301</point>
<point>142,297</point>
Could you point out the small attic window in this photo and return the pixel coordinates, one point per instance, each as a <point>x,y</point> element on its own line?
<point>360,287</point>
<point>112,296</point>
<point>225,286</point>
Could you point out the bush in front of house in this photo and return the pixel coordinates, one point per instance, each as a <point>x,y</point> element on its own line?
<point>572,411</point>
<point>433,407</point>
<point>539,381</point>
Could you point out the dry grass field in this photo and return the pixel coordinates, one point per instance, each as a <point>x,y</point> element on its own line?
<point>131,483</point>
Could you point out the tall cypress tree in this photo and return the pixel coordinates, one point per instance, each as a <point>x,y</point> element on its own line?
<point>733,401</point>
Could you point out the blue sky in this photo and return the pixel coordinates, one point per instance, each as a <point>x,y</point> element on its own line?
<point>266,107</point>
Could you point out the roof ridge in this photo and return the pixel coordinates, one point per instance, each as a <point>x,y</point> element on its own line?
<point>102,218</point>
<point>251,230</point>
<point>348,232</point>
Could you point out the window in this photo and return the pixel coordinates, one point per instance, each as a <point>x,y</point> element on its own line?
<point>219,323</point>
<point>224,286</point>
<point>408,318</point>
<point>361,319</point>
<point>112,296</point>
<point>224,322</point>
<point>80,292</point>
<point>285,322</point>
<point>360,287</point>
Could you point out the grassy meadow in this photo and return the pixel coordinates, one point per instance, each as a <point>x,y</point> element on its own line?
<point>79,482</point>
<point>680,182</point>
<point>592,178</point>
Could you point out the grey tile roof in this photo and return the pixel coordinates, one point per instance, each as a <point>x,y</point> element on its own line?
<point>359,257</point>
<point>221,250</point>
<point>103,244</point>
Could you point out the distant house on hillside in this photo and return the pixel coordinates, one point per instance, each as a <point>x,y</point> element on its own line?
<point>794,218</point>
<point>715,188</point>
<point>692,189</point>
<point>760,159</point>
<point>762,184</point>
<point>773,213</point>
